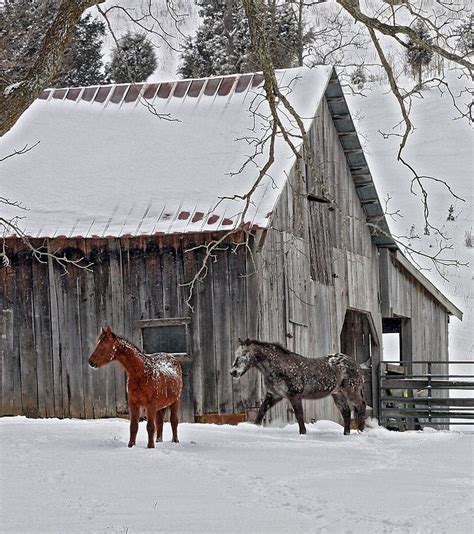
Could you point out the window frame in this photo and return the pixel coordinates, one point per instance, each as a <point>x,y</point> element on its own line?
<point>172,321</point>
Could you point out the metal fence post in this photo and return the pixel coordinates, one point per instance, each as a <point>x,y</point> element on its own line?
<point>429,392</point>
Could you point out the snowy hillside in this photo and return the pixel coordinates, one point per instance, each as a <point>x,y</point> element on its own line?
<point>79,476</point>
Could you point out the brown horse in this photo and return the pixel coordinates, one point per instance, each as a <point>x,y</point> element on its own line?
<point>155,381</point>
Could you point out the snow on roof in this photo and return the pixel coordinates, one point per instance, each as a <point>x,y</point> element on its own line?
<point>107,165</point>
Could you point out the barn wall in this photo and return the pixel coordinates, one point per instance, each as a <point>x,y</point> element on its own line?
<point>406,297</point>
<point>318,261</point>
<point>50,321</point>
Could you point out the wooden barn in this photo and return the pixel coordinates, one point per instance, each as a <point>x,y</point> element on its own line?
<point>138,180</point>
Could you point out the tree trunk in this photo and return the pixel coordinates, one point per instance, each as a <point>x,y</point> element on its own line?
<point>16,99</point>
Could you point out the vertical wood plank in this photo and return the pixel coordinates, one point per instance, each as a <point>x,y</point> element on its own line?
<point>55,340</point>
<point>221,309</point>
<point>89,329</point>
<point>28,361</point>
<point>239,327</point>
<point>106,392</point>
<point>42,339</point>
<point>118,320</point>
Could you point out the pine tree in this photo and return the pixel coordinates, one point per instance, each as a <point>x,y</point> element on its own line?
<point>450,216</point>
<point>358,78</point>
<point>83,60</point>
<point>417,56</point>
<point>23,31</point>
<point>465,33</point>
<point>24,25</point>
<point>222,42</point>
<point>134,60</point>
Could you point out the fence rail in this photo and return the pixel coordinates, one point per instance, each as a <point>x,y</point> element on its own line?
<point>413,394</point>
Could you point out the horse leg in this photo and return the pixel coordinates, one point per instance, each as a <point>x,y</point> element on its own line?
<point>160,415</point>
<point>134,418</point>
<point>297,404</point>
<point>150,426</point>
<point>341,402</point>
<point>269,401</point>
<point>359,411</point>
<point>174,420</point>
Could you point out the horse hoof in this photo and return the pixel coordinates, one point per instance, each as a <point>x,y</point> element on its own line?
<point>131,445</point>
<point>175,440</point>
<point>150,446</point>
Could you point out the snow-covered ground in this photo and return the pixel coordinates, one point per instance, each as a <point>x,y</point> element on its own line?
<point>79,476</point>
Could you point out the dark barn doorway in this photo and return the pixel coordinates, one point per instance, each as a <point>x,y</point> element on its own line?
<point>359,339</point>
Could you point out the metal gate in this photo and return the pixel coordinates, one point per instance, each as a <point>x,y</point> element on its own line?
<point>414,394</point>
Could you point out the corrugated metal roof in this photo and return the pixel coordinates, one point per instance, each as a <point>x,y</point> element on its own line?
<point>126,93</point>
<point>150,158</point>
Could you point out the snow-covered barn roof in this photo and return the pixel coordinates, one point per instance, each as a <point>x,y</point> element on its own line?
<point>139,159</point>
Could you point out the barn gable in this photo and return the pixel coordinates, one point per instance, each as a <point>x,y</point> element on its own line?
<point>151,158</point>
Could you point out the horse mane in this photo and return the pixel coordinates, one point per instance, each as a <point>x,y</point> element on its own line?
<point>268,345</point>
<point>129,344</point>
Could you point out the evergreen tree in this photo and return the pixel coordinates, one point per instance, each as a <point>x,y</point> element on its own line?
<point>417,56</point>
<point>82,63</point>
<point>358,78</point>
<point>25,23</point>
<point>222,42</point>
<point>133,60</point>
<point>465,31</point>
<point>450,216</point>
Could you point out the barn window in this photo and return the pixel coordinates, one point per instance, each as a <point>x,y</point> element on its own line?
<point>166,335</point>
<point>397,343</point>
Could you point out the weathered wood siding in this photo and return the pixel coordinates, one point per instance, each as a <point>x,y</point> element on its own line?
<point>49,322</point>
<point>318,261</point>
<point>403,296</point>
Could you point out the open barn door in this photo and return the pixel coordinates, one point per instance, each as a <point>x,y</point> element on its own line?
<point>359,339</point>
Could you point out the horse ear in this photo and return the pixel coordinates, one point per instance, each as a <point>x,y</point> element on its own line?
<point>106,330</point>
<point>247,341</point>
<point>240,342</point>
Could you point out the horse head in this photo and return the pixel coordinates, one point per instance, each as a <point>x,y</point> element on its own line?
<point>244,359</point>
<point>104,350</point>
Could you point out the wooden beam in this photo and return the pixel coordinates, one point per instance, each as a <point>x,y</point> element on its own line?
<point>172,321</point>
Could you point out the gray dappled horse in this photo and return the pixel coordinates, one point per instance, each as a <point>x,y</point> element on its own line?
<point>287,374</point>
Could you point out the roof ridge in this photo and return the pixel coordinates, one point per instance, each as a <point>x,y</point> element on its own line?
<point>237,74</point>
<point>130,92</point>
<point>117,93</point>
